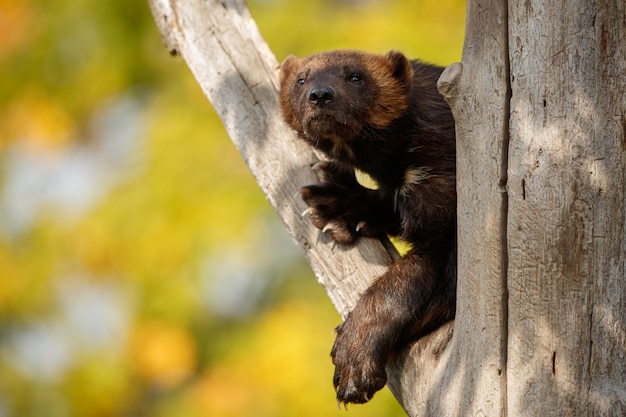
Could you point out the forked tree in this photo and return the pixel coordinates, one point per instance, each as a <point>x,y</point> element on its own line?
<point>539,101</point>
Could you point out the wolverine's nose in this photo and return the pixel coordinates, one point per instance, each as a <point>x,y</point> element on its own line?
<point>321,95</point>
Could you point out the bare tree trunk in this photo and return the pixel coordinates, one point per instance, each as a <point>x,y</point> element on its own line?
<point>540,106</point>
<point>566,222</point>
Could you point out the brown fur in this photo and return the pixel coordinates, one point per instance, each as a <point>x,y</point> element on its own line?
<point>384,116</point>
<point>386,74</point>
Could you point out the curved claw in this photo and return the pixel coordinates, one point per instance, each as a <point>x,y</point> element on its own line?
<point>345,405</point>
<point>319,166</point>
<point>360,225</point>
<point>327,228</point>
<point>306,212</point>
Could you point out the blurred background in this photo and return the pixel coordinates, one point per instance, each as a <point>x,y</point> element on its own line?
<point>142,272</point>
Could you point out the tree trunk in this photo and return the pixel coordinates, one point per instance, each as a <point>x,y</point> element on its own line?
<point>540,107</point>
<point>566,221</point>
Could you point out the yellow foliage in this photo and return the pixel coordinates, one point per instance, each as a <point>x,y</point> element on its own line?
<point>8,279</point>
<point>16,21</point>
<point>99,387</point>
<point>283,368</point>
<point>224,393</point>
<point>38,119</point>
<point>162,354</point>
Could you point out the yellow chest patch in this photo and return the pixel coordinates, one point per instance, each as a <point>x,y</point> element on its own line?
<point>365,179</point>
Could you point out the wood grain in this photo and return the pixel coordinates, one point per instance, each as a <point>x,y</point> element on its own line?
<point>567,234</point>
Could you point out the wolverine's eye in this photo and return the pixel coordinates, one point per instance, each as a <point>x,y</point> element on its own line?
<point>301,81</point>
<point>355,79</point>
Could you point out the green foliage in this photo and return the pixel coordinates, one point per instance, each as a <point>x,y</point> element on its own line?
<point>142,272</point>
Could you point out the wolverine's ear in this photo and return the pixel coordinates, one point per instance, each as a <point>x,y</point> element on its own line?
<point>287,67</point>
<point>402,69</point>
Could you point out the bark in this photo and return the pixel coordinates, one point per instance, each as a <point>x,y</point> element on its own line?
<point>566,221</point>
<point>540,107</point>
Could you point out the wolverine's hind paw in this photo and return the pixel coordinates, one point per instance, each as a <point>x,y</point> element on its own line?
<point>359,366</point>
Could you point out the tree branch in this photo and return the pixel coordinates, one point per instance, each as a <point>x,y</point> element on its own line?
<point>238,73</point>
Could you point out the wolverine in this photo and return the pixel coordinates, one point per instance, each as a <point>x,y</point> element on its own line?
<point>381,115</point>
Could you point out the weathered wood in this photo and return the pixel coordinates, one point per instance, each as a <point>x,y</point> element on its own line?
<point>567,208</point>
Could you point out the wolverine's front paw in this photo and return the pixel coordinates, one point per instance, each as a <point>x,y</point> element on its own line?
<point>359,366</point>
<point>340,206</point>
<point>332,210</point>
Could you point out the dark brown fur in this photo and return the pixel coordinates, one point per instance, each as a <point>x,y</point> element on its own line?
<point>384,116</point>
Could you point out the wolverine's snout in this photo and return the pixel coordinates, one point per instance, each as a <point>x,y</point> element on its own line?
<point>321,95</point>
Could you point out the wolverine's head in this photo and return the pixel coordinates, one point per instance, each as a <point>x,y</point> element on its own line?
<point>334,95</point>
